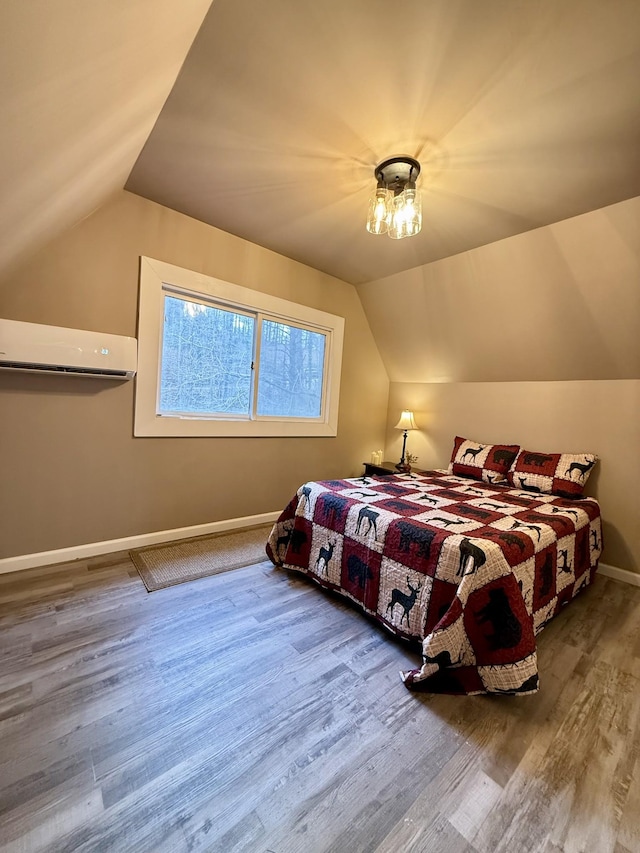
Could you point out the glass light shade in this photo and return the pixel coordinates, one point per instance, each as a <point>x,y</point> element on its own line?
<point>412,211</point>
<point>406,421</point>
<point>406,216</point>
<point>396,208</point>
<point>377,218</point>
<point>396,220</point>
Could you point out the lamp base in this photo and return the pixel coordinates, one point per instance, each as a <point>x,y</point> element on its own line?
<point>402,465</point>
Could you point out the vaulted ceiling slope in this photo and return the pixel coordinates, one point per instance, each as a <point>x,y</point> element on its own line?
<point>560,303</point>
<point>81,85</point>
<point>522,113</point>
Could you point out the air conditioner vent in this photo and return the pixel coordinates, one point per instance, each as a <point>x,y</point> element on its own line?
<point>53,368</point>
<point>35,348</point>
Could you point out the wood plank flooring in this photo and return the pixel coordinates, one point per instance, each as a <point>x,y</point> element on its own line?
<point>252,712</point>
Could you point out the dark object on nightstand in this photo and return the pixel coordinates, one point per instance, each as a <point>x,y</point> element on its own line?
<point>371,470</point>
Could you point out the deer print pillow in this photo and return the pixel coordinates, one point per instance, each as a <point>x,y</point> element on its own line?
<point>562,474</point>
<point>488,462</point>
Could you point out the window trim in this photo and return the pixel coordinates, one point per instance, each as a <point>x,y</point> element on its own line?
<point>158,278</point>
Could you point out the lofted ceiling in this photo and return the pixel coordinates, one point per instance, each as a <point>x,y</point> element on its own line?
<point>522,113</point>
<point>81,85</point>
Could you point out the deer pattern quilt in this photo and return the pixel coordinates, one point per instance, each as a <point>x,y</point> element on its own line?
<point>473,570</point>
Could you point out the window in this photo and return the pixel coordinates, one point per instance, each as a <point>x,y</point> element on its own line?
<point>205,367</point>
<point>215,358</point>
<point>291,371</point>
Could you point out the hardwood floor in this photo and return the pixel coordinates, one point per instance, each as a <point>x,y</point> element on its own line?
<point>251,712</point>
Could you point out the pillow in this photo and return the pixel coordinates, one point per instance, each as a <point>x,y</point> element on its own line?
<point>562,474</point>
<point>488,462</point>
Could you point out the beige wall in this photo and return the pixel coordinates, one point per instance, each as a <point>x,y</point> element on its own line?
<point>71,471</point>
<point>533,340</point>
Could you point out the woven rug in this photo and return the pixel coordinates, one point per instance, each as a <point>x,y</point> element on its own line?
<point>171,563</point>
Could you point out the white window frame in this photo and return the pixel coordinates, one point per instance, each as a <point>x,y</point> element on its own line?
<point>158,278</point>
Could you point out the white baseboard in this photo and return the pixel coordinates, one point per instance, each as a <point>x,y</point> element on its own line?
<point>93,549</point>
<point>619,574</point>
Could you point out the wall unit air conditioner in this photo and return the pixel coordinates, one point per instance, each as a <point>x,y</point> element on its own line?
<point>33,348</point>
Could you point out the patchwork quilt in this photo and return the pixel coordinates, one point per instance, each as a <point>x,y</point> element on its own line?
<point>474,570</point>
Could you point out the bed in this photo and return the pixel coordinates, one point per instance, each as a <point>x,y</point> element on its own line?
<point>473,569</point>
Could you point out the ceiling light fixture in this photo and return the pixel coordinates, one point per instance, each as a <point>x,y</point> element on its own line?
<point>396,207</point>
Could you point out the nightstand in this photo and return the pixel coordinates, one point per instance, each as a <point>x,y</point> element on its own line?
<point>384,469</point>
<point>371,470</point>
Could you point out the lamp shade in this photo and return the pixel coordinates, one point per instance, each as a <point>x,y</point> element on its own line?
<point>377,220</point>
<point>406,421</point>
<point>406,214</point>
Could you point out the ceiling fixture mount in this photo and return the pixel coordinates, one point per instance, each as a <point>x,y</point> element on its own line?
<point>396,207</point>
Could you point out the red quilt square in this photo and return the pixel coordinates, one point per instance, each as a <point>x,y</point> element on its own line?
<point>331,510</point>
<point>566,488</point>
<point>582,553</point>
<point>393,489</point>
<point>298,546</point>
<point>516,547</point>
<point>544,584</point>
<point>441,599</point>
<point>529,462</point>
<point>476,513</point>
<point>452,495</point>
<point>400,507</point>
<point>497,623</point>
<point>414,544</point>
<point>360,573</point>
<point>562,525</point>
